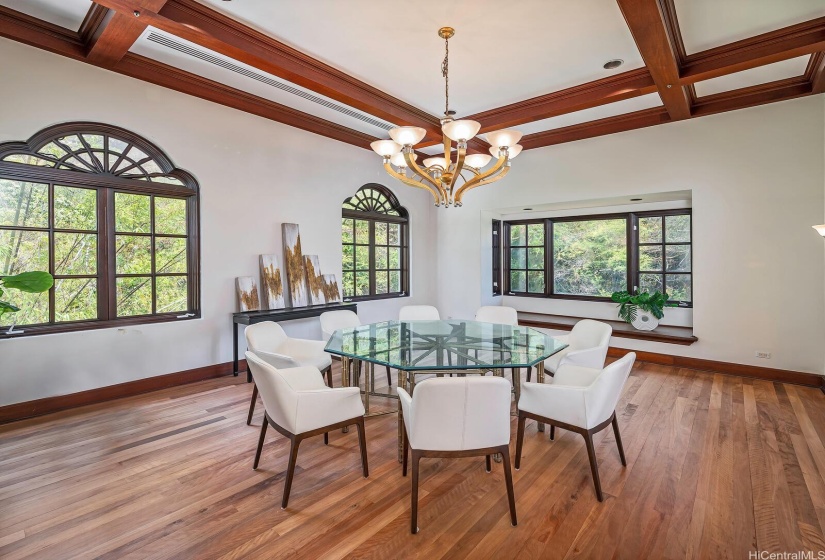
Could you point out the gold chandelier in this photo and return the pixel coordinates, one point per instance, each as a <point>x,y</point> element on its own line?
<point>440,175</point>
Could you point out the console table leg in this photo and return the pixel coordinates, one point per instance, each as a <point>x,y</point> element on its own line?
<point>234,349</point>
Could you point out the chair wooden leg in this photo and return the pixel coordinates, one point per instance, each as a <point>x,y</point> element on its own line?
<point>389,377</point>
<point>252,404</point>
<point>260,443</point>
<point>508,479</point>
<point>406,453</point>
<point>416,457</point>
<point>618,439</point>
<point>326,438</point>
<point>519,440</point>
<point>362,442</point>
<point>594,467</point>
<point>552,432</point>
<point>329,376</point>
<point>290,471</point>
<point>529,374</point>
<point>488,463</point>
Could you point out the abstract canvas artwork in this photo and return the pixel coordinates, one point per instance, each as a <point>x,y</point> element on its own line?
<point>294,265</point>
<point>272,285</point>
<point>315,280</point>
<point>247,293</point>
<point>331,291</point>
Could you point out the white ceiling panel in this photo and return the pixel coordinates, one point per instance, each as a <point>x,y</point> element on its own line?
<point>190,57</point>
<point>754,76</point>
<point>601,112</point>
<point>65,13</point>
<point>502,52</point>
<point>706,24</point>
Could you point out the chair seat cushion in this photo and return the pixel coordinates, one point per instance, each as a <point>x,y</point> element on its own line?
<point>576,376</point>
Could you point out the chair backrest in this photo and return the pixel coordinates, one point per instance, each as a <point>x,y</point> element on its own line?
<point>588,333</point>
<point>454,414</point>
<point>418,313</point>
<point>280,399</point>
<point>497,314</point>
<point>266,336</point>
<point>606,389</point>
<point>331,321</point>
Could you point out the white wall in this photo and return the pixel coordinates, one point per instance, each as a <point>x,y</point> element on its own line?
<point>254,175</point>
<point>756,177</point>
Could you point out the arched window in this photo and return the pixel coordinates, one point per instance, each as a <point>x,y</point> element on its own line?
<point>110,217</point>
<point>375,237</point>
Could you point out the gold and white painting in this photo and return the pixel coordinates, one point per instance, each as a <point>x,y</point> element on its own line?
<point>315,280</point>
<point>294,265</point>
<point>247,294</point>
<point>330,286</point>
<point>272,285</point>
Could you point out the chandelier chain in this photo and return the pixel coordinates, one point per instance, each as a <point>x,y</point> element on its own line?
<point>445,71</point>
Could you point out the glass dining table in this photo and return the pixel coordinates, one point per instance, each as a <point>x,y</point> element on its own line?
<point>436,348</point>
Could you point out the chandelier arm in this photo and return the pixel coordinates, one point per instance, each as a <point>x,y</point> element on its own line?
<point>459,165</point>
<point>426,176</point>
<point>502,160</point>
<point>410,182</point>
<point>460,195</point>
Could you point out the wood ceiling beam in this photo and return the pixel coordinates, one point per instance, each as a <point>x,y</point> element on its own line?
<point>92,22</point>
<point>789,42</point>
<point>650,23</point>
<point>38,33</point>
<point>117,32</point>
<point>780,90</point>
<point>815,73</point>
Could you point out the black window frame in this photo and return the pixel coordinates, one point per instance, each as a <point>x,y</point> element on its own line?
<point>106,184</point>
<point>496,241</point>
<point>632,239</point>
<point>373,210</point>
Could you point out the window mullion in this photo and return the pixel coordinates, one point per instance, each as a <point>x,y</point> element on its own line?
<point>103,287</point>
<point>51,294</point>
<point>111,262</point>
<point>372,256</point>
<point>632,253</point>
<point>548,258</point>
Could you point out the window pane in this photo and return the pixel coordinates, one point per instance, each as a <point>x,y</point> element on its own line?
<point>170,255</point>
<point>380,233</point>
<point>394,234</point>
<point>678,258</point>
<point>23,251</point>
<point>346,230</point>
<point>650,230</point>
<point>134,254</point>
<point>349,284</point>
<point>170,215</point>
<point>590,257</point>
<point>535,258</point>
<point>52,149</point>
<point>362,231</point>
<point>134,296</point>
<point>75,253</point>
<point>677,229</point>
<point>395,257</point>
<point>381,283</point>
<point>171,294</point>
<point>518,281</point>
<point>650,283</point>
<point>24,204</point>
<point>381,257</point>
<point>535,282</point>
<point>518,235</point>
<point>94,140</point>
<point>679,287</point>
<point>34,308</point>
<point>395,281</point>
<point>75,299</point>
<point>347,262</point>
<point>535,234</point>
<point>75,208</point>
<point>650,257</point>
<point>362,258</point>
<point>518,258</point>
<point>132,213</point>
<point>362,283</point>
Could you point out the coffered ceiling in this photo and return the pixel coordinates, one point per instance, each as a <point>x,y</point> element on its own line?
<point>349,70</point>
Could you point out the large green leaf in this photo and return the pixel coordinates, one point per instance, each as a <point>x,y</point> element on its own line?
<point>33,282</point>
<point>6,307</point>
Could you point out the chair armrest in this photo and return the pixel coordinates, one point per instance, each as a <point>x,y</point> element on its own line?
<point>276,360</point>
<point>322,407</point>
<point>592,358</point>
<point>565,338</point>
<point>564,403</point>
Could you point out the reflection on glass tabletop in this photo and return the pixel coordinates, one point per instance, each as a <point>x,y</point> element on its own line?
<point>435,345</point>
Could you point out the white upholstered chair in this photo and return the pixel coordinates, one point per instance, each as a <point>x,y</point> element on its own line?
<point>299,405</point>
<point>587,346</point>
<point>457,417</point>
<point>498,314</point>
<point>579,399</point>
<point>268,341</point>
<point>332,321</point>
<point>418,313</point>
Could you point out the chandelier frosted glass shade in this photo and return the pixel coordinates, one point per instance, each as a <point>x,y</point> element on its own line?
<point>477,160</point>
<point>500,138</point>
<point>385,148</point>
<point>435,162</point>
<point>462,130</point>
<point>398,159</point>
<point>407,135</point>
<point>512,151</point>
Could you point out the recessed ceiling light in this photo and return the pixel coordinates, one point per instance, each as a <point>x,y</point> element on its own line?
<point>613,64</point>
<point>635,199</point>
<point>527,208</point>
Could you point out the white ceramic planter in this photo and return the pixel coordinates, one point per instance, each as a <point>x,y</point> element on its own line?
<point>645,321</point>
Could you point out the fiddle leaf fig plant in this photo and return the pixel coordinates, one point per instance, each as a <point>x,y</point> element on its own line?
<point>33,282</point>
<point>630,304</point>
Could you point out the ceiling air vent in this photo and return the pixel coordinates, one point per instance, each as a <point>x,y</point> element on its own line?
<point>205,56</point>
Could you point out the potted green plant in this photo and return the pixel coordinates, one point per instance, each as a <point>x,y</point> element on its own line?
<point>642,310</point>
<point>33,282</point>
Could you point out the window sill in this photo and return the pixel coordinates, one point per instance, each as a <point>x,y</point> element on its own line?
<point>664,333</point>
<point>374,298</point>
<point>35,330</point>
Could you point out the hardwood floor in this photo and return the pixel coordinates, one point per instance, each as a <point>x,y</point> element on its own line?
<point>717,466</point>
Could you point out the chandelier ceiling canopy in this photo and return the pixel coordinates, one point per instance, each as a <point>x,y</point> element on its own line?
<point>440,175</point>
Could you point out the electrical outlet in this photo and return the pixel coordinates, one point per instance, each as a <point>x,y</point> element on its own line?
<point>765,355</point>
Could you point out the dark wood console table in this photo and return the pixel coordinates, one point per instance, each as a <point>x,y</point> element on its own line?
<point>278,315</point>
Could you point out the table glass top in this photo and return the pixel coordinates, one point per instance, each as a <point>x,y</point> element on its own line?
<point>437,345</point>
